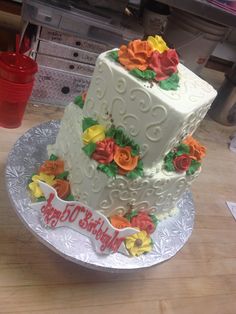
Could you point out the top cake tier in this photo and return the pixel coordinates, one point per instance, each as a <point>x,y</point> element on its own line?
<point>155,118</point>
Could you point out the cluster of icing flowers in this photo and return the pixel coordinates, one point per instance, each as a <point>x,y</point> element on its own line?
<point>114,151</point>
<point>140,242</point>
<point>53,173</point>
<point>150,59</point>
<point>186,157</point>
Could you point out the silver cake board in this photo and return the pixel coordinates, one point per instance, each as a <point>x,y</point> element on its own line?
<point>28,153</point>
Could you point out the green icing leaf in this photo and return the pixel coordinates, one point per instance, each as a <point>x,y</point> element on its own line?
<point>143,75</point>
<point>135,150</point>
<point>110,132</point>
<point>123,140</point>
<point>114,55</point>
<point>137,172</point>
<point>118,135</point>
<point>53,157</point>
<point>140,165</point>
<point>110,170</point>
<point>131,214</point>
<point>89,149</point>
<point>182,149</point>
<point>168,162</point>
<point>172,83</point>
<point>169,166</point>
<point>63,175</point>
<point>195,165</point>
<point>88,122</point>
<point>132,175</point>
<point>70,197</point>
<point>78,101</point>
<point>40,199</point>
<point>154,219</point>
<point>170,155</point>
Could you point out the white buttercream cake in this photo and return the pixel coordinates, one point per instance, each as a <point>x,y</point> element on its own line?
<point>155,119</point>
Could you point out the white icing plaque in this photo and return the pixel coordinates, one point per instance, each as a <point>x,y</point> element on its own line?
<point>78,216</point>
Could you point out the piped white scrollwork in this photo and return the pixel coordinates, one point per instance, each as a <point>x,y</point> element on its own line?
<point>108,203</point>
<point>120,182</point>
<point>105,110</point>
<point>121,85</point>
<point>101,86</point>
<point>84,197</point>
<point>141,98</point>
<point>138,184</point>
<point>118,102</point>
<point>160,113</point>
<point>160,185</point>
<point>127,195</point>
<point>141,206</point>
<point>153,130</point>
<point>89,106</point>
<point>131,124</point>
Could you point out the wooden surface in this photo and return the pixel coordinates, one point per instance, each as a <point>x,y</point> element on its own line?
<point>201,278</point>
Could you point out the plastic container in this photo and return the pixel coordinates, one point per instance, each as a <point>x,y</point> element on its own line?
<point>17,68</point>
<point>16,83</point>
<point>13,104</point>
<point>193,37</point>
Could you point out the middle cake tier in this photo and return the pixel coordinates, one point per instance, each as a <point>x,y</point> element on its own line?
<point>156,192</point>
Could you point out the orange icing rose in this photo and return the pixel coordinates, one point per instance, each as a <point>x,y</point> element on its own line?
<point>119,222</point>
<point>136,55</point>
<point>124,159</point>
<point>52,167</point>
<point>197,151</point>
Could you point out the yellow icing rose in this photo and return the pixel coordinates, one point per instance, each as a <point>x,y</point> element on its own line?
<point>157,43</point>
<point>138,243</point>
<point>34,186</point>
<point>94,134</point>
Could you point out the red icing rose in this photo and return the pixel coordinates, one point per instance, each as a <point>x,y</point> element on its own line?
<point>164,64</point>
<point>144,222</point>
<point>104,152</point>
<point>182,163</point>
